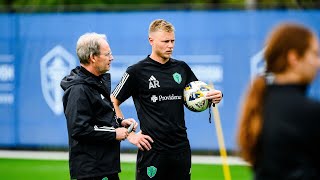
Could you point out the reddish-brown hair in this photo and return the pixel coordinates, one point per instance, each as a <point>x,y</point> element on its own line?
<point>283,38</point>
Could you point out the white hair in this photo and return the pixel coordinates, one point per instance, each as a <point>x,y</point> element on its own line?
<point>89,44</point>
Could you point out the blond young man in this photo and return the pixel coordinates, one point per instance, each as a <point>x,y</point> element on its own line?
<point>156,85</point>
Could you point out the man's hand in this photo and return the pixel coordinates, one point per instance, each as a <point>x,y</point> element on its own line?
<point>214,95</point>
<point>128,122</point>
<point>121,134</point>
<point>143,142</point>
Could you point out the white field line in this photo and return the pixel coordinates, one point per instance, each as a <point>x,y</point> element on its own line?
<point>125,157</point>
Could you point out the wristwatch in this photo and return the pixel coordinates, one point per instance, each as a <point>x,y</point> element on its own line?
<point>119,121</point>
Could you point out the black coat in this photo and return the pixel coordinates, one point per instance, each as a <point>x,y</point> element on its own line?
<point>93,148</point>
<point>288,148</point>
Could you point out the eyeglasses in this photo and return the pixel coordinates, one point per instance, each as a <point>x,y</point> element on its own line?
<point>109,54</point>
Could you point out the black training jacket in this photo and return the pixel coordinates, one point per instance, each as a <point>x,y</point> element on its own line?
<point>288,148</point>
<point>93,148</point>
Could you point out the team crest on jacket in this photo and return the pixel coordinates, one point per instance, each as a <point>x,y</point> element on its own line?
<point>151,171</point>
<point>177,77</point>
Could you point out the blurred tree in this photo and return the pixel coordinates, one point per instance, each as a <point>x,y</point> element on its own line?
<point>306,4</point>
<point>125,5</point>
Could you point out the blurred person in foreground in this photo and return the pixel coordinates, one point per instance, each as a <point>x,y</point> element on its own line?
<point>94,131</point>
<point>279,128</point>
<point>156,85</point>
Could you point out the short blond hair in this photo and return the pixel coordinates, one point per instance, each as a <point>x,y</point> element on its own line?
<point>160,25</point>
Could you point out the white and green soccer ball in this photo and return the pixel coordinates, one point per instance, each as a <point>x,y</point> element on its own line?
<point>194,96</point>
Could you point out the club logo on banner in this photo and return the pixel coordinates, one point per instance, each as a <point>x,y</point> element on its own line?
<point>53,67</point>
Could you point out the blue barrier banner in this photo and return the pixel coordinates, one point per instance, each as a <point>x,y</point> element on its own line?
<point>8,80</point>
<point>37,50</point>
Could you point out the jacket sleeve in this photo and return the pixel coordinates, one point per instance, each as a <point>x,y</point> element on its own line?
<point>126,86</point>
<point>79,114</point>
<point>190,75</point>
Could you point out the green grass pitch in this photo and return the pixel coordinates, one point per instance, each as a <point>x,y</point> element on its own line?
<point>16,169</point>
